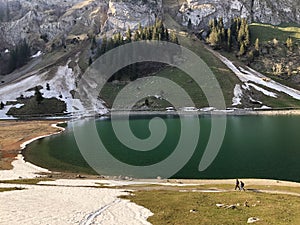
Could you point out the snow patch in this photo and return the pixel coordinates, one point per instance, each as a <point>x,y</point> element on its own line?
<point>264,91</point>
<point>249,74</point>
<point>3,113</point>
<point>189,109</point>
<point>255,101</point>
<point>60,87</point>
<point>39,53</point>
<point>238,94</point>
<point>21,169</point>
<point>170,109</point>
<point>18,106</point>
<point>207,109</point>
<point>264,107</point>
<point>69,205</point>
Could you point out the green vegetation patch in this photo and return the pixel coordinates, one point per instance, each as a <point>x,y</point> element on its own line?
<point>32,107</point>
<point>267,32</point>
<point>25,181</point>
<point>11,189</point>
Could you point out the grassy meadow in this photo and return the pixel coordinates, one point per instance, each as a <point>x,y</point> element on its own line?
<point>174,207</point>
<point>267,32</point>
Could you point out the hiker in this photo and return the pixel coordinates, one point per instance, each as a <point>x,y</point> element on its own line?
<point>242,186</point>
<point>237,184</point>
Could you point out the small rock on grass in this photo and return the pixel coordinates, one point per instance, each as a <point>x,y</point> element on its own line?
<point>193,211</point>
<point>252,220</point>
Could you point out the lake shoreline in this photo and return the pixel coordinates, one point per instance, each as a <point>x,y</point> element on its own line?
<point>16,133</point>
<point>233,112</point>
<point>204,112</point>
<point>21,168</point>
<point>19,160</point>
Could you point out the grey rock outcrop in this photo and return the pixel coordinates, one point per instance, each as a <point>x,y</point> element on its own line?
<point>57,21</point>
<point>264,11</point>
<point>129,13</point>
<point>48,18</point>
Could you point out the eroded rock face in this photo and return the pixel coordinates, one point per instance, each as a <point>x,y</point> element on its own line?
<point>25,19</point>
<point>40,21</point>
<point>55,21</point>
<point>129,13</point>
<point>273,12</point>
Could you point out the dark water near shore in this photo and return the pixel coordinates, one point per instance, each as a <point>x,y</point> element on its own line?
<point>253,147</point>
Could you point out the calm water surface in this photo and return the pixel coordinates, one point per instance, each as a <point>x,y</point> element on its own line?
<point>253,147</point>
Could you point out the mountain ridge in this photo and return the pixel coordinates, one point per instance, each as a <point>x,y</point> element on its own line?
<point>66,49</point>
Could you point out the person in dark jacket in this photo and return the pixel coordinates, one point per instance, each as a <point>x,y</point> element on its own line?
<point>242,186</point>
<point>237,184</point>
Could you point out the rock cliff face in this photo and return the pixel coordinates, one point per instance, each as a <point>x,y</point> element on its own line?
<point>41,21</point>
<point>264,11</point>
<point>129,13</point>
<point>48,19</point>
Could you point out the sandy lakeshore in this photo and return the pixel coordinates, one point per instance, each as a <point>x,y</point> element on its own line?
<point>14,134</point>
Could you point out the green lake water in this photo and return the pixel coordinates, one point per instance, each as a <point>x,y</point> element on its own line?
<point>253,147</point>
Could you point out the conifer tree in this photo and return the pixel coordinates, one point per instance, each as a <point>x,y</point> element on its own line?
<point>173,38</point>
<point>251,56</point>
<point>220,23</point>
<point>128,35</point>
<point>189,25</point>
<point>167,36</point>
<point>94,43</point>
<point>136,36</point>
<point>38,95</point>
<point>103,47</point>
<point>211,24</point>
<point>242,49</point>
<point>149,33</point>
<point>140,29</point>
<point>146,33</point>
<point>1,105</point>
<point>213,38</point>
<point>289,43</point>
<point>229,41</point>
<point>154,34</point>
<point>256,45</point>
<point>247,35</point>
<point>109,45</point>
<point>19,56</point>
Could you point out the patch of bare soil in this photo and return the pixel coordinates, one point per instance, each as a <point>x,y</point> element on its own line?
<point>14,133</point>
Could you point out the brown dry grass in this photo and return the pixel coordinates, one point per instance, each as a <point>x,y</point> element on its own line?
<point>14,133</point>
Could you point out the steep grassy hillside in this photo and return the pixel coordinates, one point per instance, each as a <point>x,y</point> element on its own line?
<point>276,59</point>
<point>226,78</point>
<point>267,32</point>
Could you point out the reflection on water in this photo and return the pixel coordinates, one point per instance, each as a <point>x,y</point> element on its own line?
<point>254,147</point>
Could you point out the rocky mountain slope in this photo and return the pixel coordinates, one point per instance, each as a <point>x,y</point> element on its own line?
<point>43,21</point>
<point>61,33</point>
<point>264,11</point>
